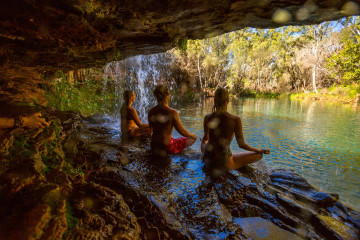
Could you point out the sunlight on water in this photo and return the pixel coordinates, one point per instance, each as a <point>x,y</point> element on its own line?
<point>320,141</point>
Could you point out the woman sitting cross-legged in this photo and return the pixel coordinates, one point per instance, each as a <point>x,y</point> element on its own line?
<point>219,129</point>
<point>131,126</point>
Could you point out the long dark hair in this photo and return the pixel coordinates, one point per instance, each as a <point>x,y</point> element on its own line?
<point>220,99</point>
<point>127,96</point>
<point>161,92</point>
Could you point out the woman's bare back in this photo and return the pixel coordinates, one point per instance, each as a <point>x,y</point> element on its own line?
<point>222,126</point>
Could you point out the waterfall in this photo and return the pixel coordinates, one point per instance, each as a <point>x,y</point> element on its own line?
<point>139,74</point>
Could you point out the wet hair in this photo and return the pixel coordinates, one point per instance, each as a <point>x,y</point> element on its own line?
<point>161,92</point>
<point>127,95</point>
<point>220,99</point>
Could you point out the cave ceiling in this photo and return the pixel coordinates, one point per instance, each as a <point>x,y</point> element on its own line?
<point>46,35</point>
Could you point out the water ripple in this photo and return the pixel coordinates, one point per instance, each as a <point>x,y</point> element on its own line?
<point>318,140</point>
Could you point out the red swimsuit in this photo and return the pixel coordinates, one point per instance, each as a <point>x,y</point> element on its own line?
<point>176,145</point>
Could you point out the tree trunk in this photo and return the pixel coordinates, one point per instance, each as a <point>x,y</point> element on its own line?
<point>201,86</point>
<point>259,80</point>
<point>314,78</point>
<point>71,77</point>
<point>315,47</point>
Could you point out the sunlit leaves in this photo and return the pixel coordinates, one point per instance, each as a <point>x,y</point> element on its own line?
<point>268,59</point>
<point>346,62</point>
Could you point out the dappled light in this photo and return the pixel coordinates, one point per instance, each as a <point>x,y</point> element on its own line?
<point>180,120</point>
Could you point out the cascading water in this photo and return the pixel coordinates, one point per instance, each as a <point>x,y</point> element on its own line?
<point>188,200</point>
<point>139,74</point>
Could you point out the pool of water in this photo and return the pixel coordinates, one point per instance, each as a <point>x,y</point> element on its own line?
<point>319,140</point>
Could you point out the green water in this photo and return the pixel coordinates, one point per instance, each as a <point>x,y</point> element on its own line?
<point>321,141</point>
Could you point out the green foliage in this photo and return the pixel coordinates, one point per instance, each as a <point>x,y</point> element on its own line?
<point>79,171</point>
<point>51,150</point>
<point>286,59</point>
<point>20,147</point>
<point>182,44</point>
<point>42,146</point>
<point>68,168</point>
<point>345,94</point>
<point>247,93</point>
<point>117,54</point>
<point>350,90</point>
<point>346,62</point>
<point>72,221</point>
<point>86,97</point>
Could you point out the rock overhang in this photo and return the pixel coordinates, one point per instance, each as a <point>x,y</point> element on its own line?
<point>72,34</point>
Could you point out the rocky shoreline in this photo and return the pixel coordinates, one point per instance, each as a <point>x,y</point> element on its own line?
<point>73,180</point>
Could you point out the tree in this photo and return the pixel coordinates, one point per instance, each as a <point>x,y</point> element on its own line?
<point>346,62</point>
<point>195,49</point>
<point>289,58</point>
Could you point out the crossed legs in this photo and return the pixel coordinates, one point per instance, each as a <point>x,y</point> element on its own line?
<point>189,142</point>
<point>239,160</point>
<point>137,132</point>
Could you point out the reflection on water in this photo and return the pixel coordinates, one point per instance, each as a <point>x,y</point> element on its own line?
<point>321,141</point>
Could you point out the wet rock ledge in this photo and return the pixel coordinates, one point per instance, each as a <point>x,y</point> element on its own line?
<point>72,180</point>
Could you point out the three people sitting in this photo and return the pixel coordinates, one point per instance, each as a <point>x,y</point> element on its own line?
<point>219,129</point>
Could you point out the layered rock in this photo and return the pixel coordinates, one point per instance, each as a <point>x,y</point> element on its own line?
<point>73,180</point>
<point>51,35</point>
<point>43,193</point>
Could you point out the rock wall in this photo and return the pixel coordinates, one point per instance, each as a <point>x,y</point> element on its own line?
<point>43,189</point>
<point>38,37</point>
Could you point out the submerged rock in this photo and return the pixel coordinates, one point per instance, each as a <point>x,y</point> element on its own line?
<point>200,207</point>
<point>72,180</point>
